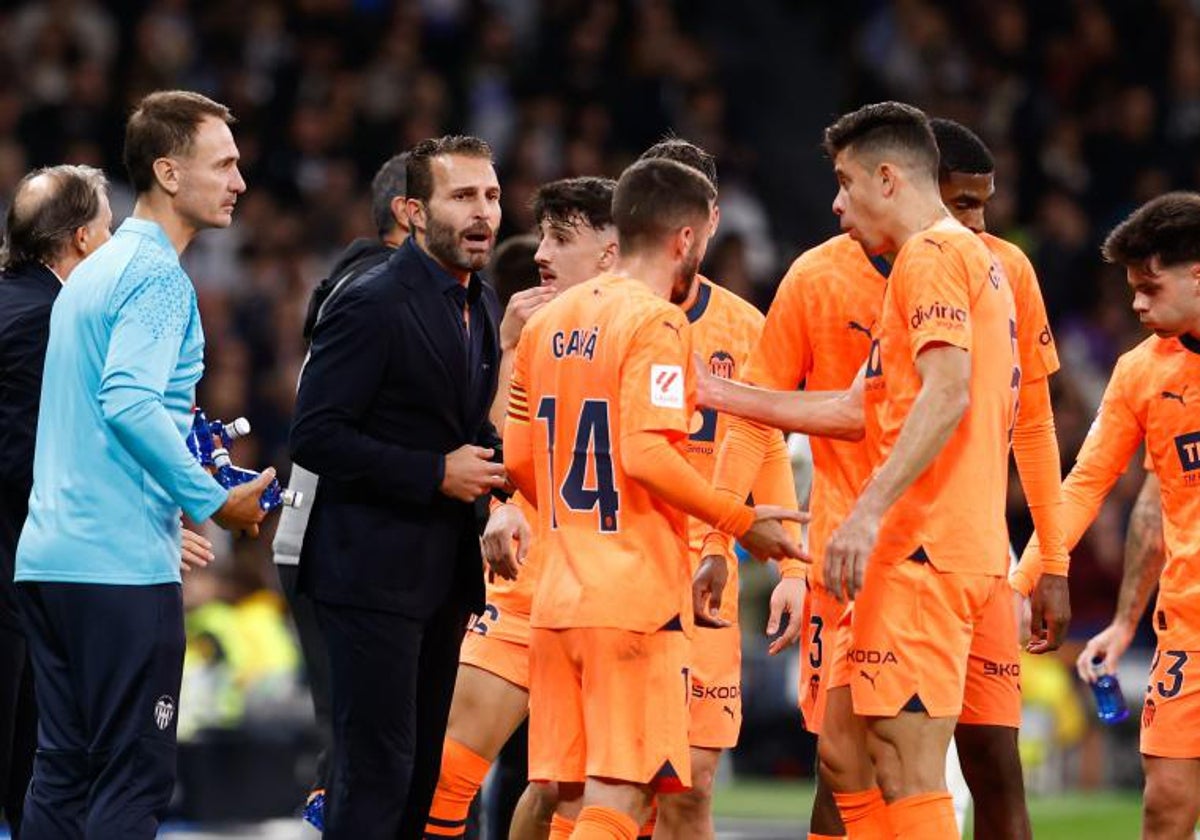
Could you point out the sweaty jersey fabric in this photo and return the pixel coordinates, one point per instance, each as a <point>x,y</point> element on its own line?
<point>111,470</point>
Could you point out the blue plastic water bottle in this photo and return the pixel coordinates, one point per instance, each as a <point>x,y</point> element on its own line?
<point>1110,702</point>
<point>200,438</point>
<point>229,476</point>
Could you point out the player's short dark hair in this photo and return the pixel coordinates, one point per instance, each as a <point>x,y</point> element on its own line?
<point>687,153</point>
<point>389,182</point>
<point>1167,227</point>
<point>960,150</point>
<point>164,124</point>
<point>655,198</point>
<point>885,128</point>
<point>420,157</point>
<point>39,229</point>
<point>512,269</point>
<point>570,199</point>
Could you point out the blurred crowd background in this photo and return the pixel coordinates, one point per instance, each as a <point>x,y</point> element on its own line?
<point>1090,107</point>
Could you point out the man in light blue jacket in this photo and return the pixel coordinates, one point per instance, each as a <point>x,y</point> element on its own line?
<point>97,566</point>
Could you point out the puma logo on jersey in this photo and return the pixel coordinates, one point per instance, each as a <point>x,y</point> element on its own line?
<point>729,712</point>
<point>935,244</point>
<point>869,677</point>
<point>1171,395</point>
<point>857,327</point>
<point>674,327</point>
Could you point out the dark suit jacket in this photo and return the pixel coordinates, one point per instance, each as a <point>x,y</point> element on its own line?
<point>27,294</point>
<point>385,395</point>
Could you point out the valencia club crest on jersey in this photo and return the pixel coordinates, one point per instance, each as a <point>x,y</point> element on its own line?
<point>721,364</point>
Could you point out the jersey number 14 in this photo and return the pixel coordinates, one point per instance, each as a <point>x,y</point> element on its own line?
<point>593,443</point>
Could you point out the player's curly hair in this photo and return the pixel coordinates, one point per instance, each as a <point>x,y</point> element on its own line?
<point>885,128</point>
<point>1167,227</point>
<point>568,200</point>
<point>960,149</point>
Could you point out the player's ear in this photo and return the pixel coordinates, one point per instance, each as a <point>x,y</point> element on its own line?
<point>886,173</point>
<point>166,173</point>
<point>608,252</point>
<point>683,241</point>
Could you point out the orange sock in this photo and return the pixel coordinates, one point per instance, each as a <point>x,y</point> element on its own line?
<point>926,816</point>
<point>865,815</point>
<point>812,836</point>
<point>597,823</point>
<point>646,832</point>
<point>561,828</point>
<point>462,773</point>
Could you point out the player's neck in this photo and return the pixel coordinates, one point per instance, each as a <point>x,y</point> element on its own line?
<point>154,206</point>
<point>917,215</point>
<point>656,272</point>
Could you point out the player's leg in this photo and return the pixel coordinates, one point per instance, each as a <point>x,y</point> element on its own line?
<point>636,720</point>
<point>990,721</point>
<point>486,710</point>
<point>714,723</point>
<point>1170,746</point>
<point>847,769</point>
<point>956,783</point>
<point>688,815</point>
<point>1172,801</point>
<point>825,822</point>
<point>556,729</point>
<point>535,811</point>
<point>912,632</point>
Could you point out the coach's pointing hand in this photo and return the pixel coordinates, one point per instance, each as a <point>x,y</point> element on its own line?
<point>470,473</point>
<point>847,552</point>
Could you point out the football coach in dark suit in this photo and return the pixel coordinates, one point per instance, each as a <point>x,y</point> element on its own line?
<point>392,413</point>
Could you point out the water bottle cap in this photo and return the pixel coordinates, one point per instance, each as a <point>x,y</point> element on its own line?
<point>221,457</point>
<point>240,427</point>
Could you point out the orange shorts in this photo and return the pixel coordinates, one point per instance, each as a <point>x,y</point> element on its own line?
<point>1172,705</point>
<point>507,660</point>
<point>715,709</point>
<point>825,638</point>
<point>912,635</point>
<point>610,704</point>
<point>504,617</point>
<point>992,696</point>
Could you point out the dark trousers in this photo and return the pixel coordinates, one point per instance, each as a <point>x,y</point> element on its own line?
<point>393,680</point>
<point>316,664</point>
<point>18,724</point>
<point>107,663</point>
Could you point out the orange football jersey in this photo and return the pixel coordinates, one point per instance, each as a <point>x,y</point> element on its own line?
<point>602,361</point>
<point>947,288</point>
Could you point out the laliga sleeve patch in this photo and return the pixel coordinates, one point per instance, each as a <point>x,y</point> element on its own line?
<point>666,386</point>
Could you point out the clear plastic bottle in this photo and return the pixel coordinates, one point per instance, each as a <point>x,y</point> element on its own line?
<point>229,476</point>
<point>1110,701</point>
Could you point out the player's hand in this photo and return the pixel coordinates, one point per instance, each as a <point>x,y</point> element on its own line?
<point>708,586</point>
<point>520,307</point>
<point>787,599</point>
<point>506,541</point>
<point>847,552</point>
<point>241,511</point>
<point>705,382</point>
<point>1049,614</point>
<point>470,473</point>
<point>1108,645</point>
<point>1023,613</point>
<point>767,539</point>
<point>195,551</point>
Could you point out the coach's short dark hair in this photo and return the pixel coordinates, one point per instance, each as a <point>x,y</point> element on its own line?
<point>682,151</point>
<point>1167,227</point>
<point>164,124</point>
<point>389,182</point>
<point>655,198</point>
<point>960,150</point>
<point>420,170</point>
<point>39,228</point>
<point>568,200</point>
<point>885,128</point>
<point>513,269</point>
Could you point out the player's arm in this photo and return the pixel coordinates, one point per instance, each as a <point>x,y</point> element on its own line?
<point>1112,441</point>
<point>1035,448</point>
<point>149,325</point>
<point>1145,557</point>
<point>776,485</point>
<point>520,307</point>
<point>518,433</point>
<point>833,414</point>
<point>945,373</point>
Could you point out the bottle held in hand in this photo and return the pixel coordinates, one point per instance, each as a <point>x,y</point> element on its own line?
<point>200,438</point>
<point>229,476</point>
<point>1110,702</point>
